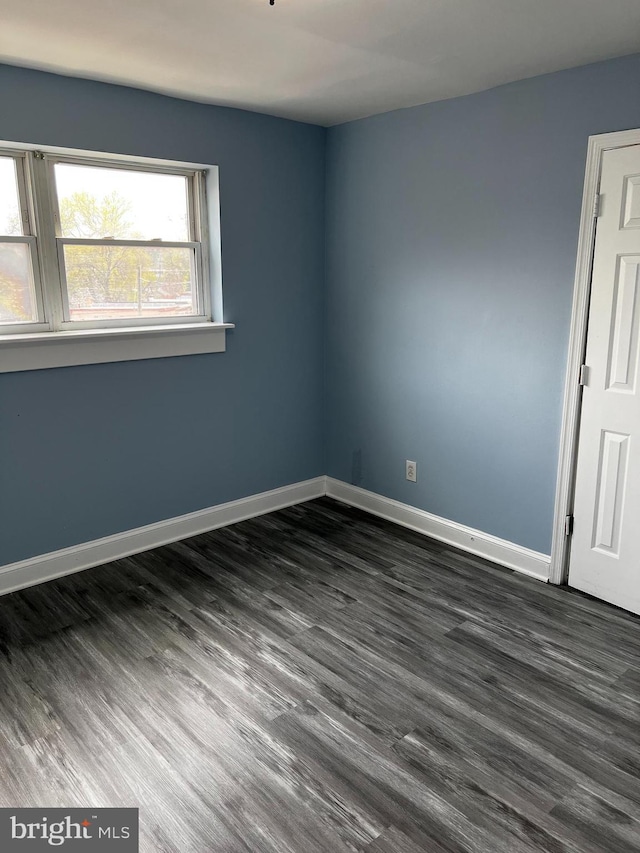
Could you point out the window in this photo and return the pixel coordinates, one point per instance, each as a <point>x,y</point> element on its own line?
<point>19,289</point>
<point>117,247</point>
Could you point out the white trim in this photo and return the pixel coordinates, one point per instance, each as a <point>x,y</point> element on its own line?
<point>98,157</point>
<point>97,346</point>
<point>37,186</point>
<point>76,558</point>
<point>577,342</point>
<point>466,538</point>
<point>56,564</point>
<point>117,242</point>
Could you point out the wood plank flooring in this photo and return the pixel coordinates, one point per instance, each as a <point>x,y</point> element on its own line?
<point>321,681</point>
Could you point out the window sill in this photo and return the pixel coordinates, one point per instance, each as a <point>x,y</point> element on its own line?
<point>97,346</point>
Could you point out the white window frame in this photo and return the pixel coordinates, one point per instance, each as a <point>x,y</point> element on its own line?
<point>55,340</point>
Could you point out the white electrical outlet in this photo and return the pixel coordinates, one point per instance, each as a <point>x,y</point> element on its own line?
<point>412,471</point>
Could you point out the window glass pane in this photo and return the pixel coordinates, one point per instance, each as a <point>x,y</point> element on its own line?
<point>123,282</point>
<point>17,298</point>
<point>98,202</point>
<point>10,222</point>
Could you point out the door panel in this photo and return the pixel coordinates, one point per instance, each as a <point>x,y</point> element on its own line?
<point>610,491</point>
<point>623,360</point>
<point>605,548</point>
<point>631,214</point>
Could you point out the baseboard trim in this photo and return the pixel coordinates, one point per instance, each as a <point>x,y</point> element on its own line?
<point>56,564</point>
<point>476,542</point>
<point>66,561</point>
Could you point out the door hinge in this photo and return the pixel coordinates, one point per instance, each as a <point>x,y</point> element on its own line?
<point>568,525</point>
<point>583,375</point>
<point>597,205</point>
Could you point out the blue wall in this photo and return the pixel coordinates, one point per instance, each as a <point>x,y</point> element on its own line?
<point>451,234</point>
<point>451,247</point>
<point>89,451</point>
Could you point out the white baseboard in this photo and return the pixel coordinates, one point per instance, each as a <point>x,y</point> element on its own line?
<point>466,538</point>
<point>46,567</point>
<point>56,564</point>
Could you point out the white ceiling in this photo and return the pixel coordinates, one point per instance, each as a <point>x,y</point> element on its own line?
<point>321,61</point>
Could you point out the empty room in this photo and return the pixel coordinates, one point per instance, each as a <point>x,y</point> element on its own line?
<point>320,426</point>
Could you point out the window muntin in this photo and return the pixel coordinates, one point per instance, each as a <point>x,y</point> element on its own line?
<point>118,243</point>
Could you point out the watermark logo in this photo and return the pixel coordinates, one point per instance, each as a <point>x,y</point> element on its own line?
<point>36,830</point>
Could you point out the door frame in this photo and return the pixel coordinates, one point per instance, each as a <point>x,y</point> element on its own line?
<point>561,542</point>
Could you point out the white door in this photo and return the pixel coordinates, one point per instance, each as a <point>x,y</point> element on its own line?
<point>605,547</point>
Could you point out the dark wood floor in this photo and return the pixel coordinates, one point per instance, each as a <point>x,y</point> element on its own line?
<point>319,681</point>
